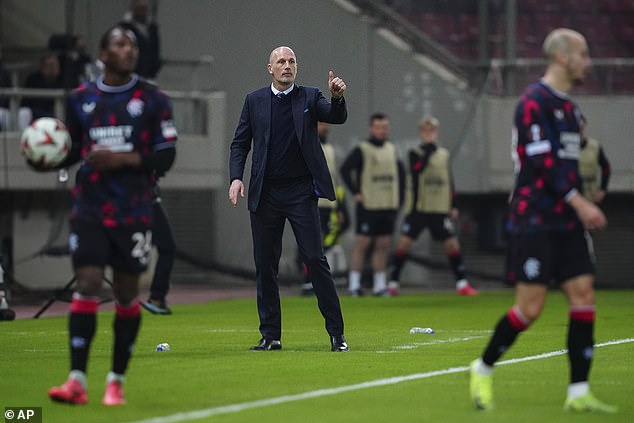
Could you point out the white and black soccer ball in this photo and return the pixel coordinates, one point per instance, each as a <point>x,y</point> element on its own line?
<point>46,142</point>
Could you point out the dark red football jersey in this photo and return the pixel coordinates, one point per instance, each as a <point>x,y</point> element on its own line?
<point>133,117</point>
<point>546,145</point>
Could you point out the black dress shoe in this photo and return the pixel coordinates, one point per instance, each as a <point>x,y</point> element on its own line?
<point>338,344</point>
<point>267,345</point>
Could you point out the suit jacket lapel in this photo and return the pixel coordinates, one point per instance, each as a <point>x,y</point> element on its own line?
<point>298,100</point>
<point>266,114</point>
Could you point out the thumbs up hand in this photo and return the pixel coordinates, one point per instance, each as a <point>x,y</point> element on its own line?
<point>336,85</point>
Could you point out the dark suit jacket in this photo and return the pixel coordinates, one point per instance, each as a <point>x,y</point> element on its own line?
<point>309,106</point>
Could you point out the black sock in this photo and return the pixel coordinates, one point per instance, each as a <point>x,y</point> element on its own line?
<point>457,265</point>
<point>580,342</point>
<point>507,329</point>
<point>82,323</point>
<point>126,327</point>
<point>398,261</point>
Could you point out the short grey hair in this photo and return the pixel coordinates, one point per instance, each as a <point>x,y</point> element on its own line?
<point>559,40</point>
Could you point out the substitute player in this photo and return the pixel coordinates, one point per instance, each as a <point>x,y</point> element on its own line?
<point>333,214</point>
<point>430,205</point>
<point>122,129</point>
<point>375,176</point>
<point>594,166</point>
<point>163,240</point>
<point>547,224</point>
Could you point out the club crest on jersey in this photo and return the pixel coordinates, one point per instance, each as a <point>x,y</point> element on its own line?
<point>135,107</point>
<point>88,108</point>
<point>532,268</point>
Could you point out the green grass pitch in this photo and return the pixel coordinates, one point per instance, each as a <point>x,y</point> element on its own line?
<point>210,366</point>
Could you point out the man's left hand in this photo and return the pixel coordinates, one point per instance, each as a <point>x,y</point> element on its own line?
<point>336,85</point>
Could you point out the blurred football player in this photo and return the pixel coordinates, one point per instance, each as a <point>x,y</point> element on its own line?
<point>122,130</point>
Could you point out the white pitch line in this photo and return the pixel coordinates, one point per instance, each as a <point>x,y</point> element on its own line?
<point>234,408</point>
<point>415,345</point>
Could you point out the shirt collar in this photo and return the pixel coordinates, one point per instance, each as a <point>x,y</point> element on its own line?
<point>555,92</point>
<point>376,142</point>
<point>117,89</point>
<point>286,92</point>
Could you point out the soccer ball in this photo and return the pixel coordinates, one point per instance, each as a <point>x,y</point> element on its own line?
<point>45,142</point>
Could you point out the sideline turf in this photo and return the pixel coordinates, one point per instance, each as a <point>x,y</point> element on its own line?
<point>210,365</point>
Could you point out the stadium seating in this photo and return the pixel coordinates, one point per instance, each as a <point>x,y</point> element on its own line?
<point>615,6</point>
<point>608,25</point>
<point>441,27</point>
<point>580,6</point>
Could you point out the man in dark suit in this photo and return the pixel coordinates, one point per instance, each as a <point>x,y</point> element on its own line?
<point>288,174</point>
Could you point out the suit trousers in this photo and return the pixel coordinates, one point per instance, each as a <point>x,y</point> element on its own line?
<point>293,200</point>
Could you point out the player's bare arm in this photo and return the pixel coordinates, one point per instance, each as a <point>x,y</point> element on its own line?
<point>590,215</point>
<point>598,196</point>
<point>108,160</point>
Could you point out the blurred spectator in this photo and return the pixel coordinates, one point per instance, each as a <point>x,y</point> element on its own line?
<point>139,21</point>
<point>5,82</point>
<point>73,61</point>
<point>47,77</point>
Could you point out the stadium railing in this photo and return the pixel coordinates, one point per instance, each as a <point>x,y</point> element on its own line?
<point>608,76</point>
<point>200,118</point>
<point>189,106</point>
